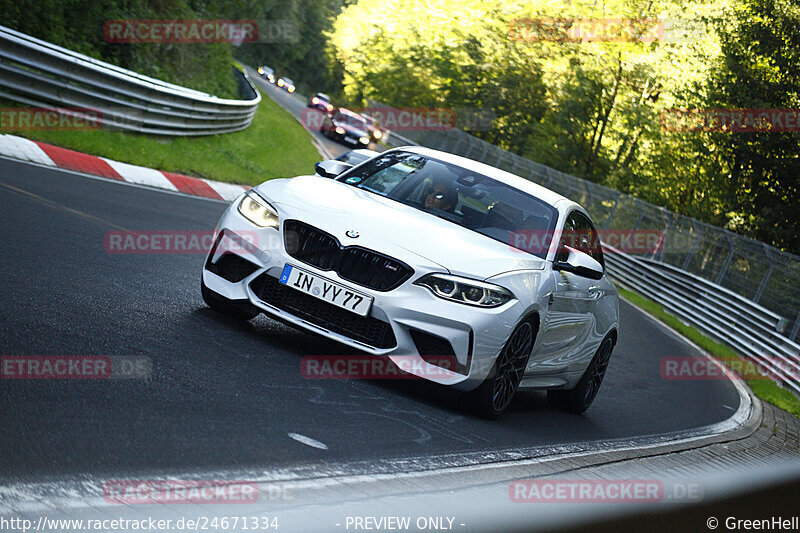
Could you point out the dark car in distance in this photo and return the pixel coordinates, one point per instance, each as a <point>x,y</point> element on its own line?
<point>347,127</point>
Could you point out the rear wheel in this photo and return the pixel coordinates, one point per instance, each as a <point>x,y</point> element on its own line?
<point>494,395</point>
<point>241,310</point>
<point>581,397</point>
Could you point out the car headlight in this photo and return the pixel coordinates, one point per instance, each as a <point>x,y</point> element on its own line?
<point>280,83</point>
<point>340,130</point>
<point>258,211</point>
<point>364,140</point>
<point>465,291</point>
<point>291,88</point>
<point>378,134</point>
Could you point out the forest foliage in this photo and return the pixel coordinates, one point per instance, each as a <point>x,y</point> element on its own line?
<point>595,109</point>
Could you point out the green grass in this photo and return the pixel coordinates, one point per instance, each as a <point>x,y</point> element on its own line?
<point>765,389</point>
<point>274,146</point>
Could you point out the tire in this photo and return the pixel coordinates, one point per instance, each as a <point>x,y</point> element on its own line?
<point>240,310</point>
<point>494,395</point>
<point>579,399</point>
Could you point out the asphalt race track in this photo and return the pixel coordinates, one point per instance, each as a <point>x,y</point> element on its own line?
<point>297,107</point>
<point>225,395</point>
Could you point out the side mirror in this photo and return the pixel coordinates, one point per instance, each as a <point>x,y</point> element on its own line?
<point>580,264</point>
<point>331,168</point>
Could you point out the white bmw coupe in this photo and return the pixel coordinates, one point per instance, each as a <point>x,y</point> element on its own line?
<point>421,255</point>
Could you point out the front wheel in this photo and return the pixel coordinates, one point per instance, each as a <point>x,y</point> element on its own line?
<point>241,310</point>
<point>494,395</point>
<point>581,397</point>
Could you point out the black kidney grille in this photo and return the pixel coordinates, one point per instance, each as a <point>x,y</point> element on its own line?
<point>365,329</point>
<point>372,269</point>
<point>353,263</point>
<point>310,245</point>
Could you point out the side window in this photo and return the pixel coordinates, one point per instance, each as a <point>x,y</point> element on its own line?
<point>580,233</point>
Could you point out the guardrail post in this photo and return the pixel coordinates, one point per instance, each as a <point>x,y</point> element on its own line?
<point>690,254</point>
<point>767,274</point>
<point>613,212</point>
<point>663,247</point>
<point>641,215</point>
<point>724,270</point>
<point>796,328</point>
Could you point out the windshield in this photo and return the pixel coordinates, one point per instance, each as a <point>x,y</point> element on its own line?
<point>352,120</point>
<point>459,195</point>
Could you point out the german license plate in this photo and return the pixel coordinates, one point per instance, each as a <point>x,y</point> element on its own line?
<point>326,290</point>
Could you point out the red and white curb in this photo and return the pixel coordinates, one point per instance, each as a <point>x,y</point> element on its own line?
<point>53,156</point>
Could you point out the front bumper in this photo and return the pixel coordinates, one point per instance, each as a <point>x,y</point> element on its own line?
<point>474,335</point>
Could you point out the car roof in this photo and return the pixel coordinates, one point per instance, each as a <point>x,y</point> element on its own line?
<point>500,175</point>
<point>323,95</point>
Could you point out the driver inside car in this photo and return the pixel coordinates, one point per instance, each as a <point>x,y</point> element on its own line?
<point>441,195</point>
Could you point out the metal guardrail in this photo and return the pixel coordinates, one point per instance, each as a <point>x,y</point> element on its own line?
<point>748,327</point>
<point>38,73</point>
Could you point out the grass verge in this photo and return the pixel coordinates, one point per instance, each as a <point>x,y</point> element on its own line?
<point>274,146</point>
<point>765,389</point>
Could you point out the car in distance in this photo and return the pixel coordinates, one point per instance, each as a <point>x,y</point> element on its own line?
<point>267,73</point>
<point>346,127</point>
<point>421,254</point>
<point>286,84</point>
<point>357,156</point>
<point>322,102</point>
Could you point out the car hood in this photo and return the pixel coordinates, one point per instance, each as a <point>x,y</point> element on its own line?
<point>393,228</point>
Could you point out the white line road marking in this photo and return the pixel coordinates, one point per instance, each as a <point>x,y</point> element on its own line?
<point>308,441</point>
